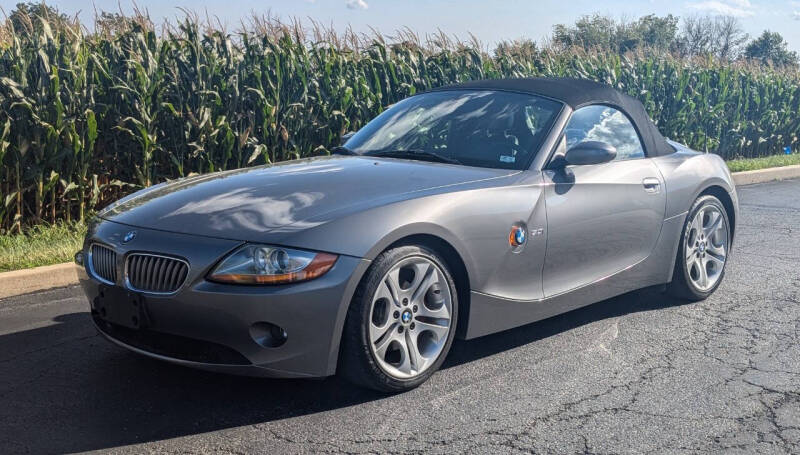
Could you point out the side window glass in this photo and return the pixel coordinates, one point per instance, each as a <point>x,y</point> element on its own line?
<point>605,124</point>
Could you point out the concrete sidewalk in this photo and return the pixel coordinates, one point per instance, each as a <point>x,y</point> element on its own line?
<point>25,281</point>
<point>766,175</point>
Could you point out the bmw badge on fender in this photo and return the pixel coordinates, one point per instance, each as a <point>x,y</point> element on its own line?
<point>518,198</point>
<point>517,236</point>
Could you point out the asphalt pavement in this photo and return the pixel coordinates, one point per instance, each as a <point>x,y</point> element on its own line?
<point>638,373</point>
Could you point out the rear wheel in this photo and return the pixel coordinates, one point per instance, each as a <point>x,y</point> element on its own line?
<point>401,322</point>
<point>703,251</point>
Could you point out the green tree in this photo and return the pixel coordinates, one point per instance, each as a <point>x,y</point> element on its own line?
<point>595,31</point>
<point>24,15</point>
<point>770,48</point>
<point>656,32</point>
<point>603,32</point>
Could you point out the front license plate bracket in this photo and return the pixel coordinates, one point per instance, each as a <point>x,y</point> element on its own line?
<point>122,307</point>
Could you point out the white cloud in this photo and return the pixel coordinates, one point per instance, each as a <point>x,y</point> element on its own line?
<point>736,8</point>
<point>357,4</point>
<point>796,15</point>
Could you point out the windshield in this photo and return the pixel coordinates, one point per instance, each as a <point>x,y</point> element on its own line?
<point>472,127</point>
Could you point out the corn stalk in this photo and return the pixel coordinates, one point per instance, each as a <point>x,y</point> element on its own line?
<point>86,119</point>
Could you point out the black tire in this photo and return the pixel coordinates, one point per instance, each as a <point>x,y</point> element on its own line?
<point>357,362</point>
<point>682,286</point>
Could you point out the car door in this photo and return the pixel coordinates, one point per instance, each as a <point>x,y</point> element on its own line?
<point>603,218</point>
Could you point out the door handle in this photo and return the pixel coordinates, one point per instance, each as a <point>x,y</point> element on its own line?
<point>651,185</point>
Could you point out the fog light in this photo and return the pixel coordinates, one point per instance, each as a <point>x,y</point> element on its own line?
<point>268,334</point>
<point>79,258</point>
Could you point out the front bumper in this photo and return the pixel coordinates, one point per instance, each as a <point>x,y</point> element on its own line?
<point>211,326</point>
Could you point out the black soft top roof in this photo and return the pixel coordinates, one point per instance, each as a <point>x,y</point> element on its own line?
<point>577,93</point>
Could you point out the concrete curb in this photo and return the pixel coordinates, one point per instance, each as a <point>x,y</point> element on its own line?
<point>26,281</point>
<point>766,175</point>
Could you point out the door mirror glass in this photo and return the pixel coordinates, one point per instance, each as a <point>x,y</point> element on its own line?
<point>590,152</point>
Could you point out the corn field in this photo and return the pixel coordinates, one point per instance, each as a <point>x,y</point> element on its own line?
<point>86,118</point>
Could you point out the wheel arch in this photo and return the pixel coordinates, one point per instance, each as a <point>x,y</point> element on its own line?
<point>678,285</point>
<point>712,189</point>
<point>456,266</point>
<point>723,196</point>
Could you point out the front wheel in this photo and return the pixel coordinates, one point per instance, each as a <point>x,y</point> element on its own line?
<point>703,250</point>
<point>401,322</point>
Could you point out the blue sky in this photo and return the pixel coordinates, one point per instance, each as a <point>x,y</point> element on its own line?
<point>490,21</point>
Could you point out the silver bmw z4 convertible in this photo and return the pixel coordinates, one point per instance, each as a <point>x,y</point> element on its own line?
<point>458,212</point>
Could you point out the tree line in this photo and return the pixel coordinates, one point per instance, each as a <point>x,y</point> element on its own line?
<point>719,36</point>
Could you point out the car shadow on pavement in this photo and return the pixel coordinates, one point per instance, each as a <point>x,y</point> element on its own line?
<point>633,302</point>
<point>80,392</point>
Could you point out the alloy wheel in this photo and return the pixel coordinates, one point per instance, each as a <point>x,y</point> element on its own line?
<point>410,317</point>
<point>706,247</point>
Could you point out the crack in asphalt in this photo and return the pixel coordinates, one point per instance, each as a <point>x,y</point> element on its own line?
<point>639,373</point>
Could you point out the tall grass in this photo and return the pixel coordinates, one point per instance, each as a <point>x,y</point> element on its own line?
<point>763,162</point>
<point>85,119</point>
<point>41,245</point>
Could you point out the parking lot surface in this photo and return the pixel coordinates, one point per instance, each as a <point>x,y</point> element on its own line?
<point>638,373</point>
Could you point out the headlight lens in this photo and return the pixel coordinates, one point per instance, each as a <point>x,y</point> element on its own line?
<point>263,264</point>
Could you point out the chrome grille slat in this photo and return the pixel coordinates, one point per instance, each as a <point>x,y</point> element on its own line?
<point>183,274</point>
<point>110,257</point>
<point>133,262</point>
<point>155,273</point>
<point>104,263</point>
<point>148,264</point>
<point>164,283</point>
<point>173,276</point>
<point>159,278</point>
<point>168,274</point>
<point>144,281</point>
<point>148,274</point>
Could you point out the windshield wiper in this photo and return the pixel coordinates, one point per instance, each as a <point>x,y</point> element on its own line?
<point>415,155</point>
<point>342,150</point>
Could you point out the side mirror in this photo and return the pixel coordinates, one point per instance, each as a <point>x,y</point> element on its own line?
<point>590,152</point>
<point>346,137</point>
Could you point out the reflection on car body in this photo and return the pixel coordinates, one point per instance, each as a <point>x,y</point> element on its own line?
<point>462,211</point>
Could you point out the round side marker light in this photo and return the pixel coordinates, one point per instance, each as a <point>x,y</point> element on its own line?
<point>517,236</point>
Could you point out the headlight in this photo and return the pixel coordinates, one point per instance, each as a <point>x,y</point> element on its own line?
<point>262,264</point>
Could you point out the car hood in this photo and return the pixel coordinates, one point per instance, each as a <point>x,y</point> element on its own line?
<point>247,203</point>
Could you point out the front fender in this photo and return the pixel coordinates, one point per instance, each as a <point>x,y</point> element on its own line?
<point>421,228</point>
<point>475,222</point>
